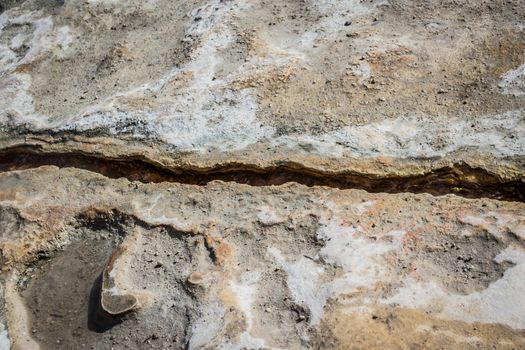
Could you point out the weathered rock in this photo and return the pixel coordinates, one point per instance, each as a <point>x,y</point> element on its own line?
<point>381,264</point>
<point>214,84</point>
<point>158,101</point>
<point>117,296</point>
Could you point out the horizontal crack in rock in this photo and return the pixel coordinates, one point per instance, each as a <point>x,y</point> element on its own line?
<point>459,179</point>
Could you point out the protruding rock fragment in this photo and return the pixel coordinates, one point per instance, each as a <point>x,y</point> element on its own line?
<point>117,297</point>
<point>113,301</point>
<point>196,278</point>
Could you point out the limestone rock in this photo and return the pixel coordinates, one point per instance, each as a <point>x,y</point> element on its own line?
<point>220,174</point>
<point>415,269</point>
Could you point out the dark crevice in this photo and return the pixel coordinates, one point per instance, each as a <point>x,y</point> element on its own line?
<point>460,179</point>
<point>211,251</point>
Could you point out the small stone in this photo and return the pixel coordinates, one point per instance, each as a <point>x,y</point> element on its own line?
<point>196,278</point>
<point>348,23</point>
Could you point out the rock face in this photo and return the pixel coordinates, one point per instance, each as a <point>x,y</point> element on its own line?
<point>236,266</point>
<point>262,174</point>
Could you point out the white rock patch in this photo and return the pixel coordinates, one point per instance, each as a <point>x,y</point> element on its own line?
<point>207,327</point>
<point>513,82</point>
<point>419,137</point>
<point>246,293</point>
<point>5,343</point>
<point>359,257</point>
<point>267,216</point>
<point>502,302</point>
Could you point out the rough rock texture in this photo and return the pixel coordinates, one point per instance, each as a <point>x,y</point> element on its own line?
<point>234,266</point>
<point>186,174</point>
<point>375,87</point>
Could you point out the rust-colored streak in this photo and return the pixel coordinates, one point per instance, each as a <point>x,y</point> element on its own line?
<point>460,179</point>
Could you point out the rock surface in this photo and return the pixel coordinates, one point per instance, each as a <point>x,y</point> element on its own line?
<point>192,174</point>
<point>375,87</point>
<point>235,266</point>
